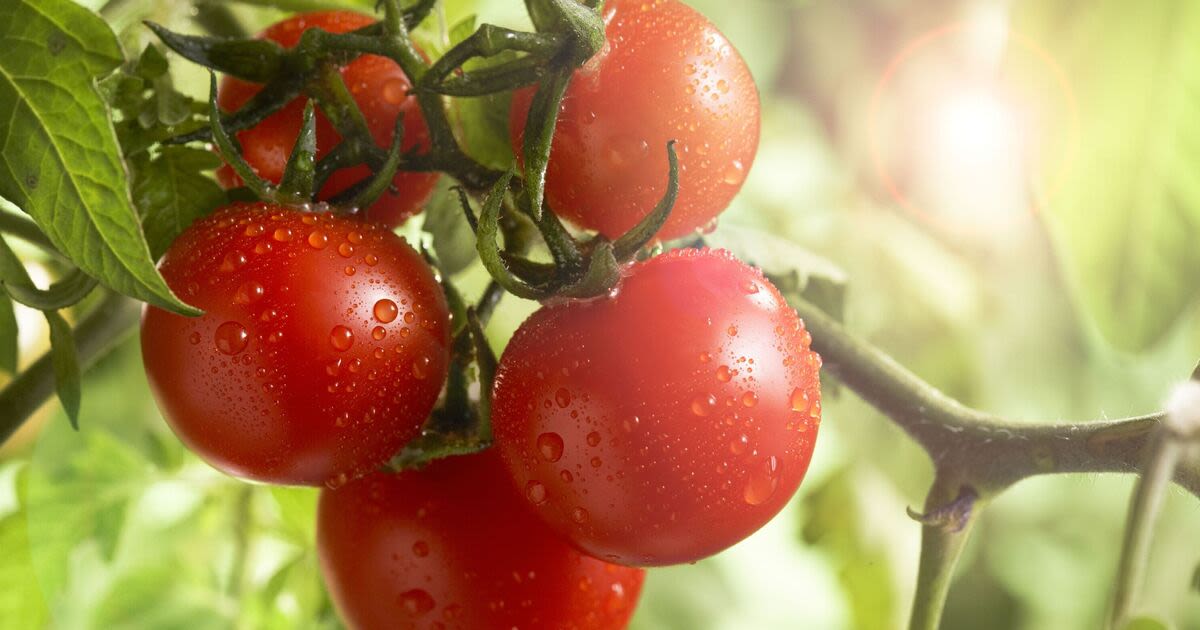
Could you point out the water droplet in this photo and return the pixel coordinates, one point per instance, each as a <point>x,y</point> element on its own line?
<point>378,333</point>
<point>410,318</point>
<point>739,444</point>
<point>337,481</point>
<point>623,150</point>
<point>735,173</point>
<point>536,492</point>
<point>394,91</point>
<point>416,602</point>
<point>579,515</point>
<point>231,338</point>
<point>385,311</point>
<point>255,229</point>
<point>318,240</point>
<point>420,368</point>
<point>762,481</point>
<point>703,405</point>
<point>562,397</point>
<point>371,260</point>
<point>596,462</point>
<point>566,476</point>
<point>283,234</point>
<point>800,402</point>
<point>420,549</point>
<point>731,331</point>
<point>630,423</point>
<point>341,338</point>
<point>550,446</point>
<point>194,338</point>
<point>749,399</point>
<point>355,237</point>
<point>724,374</point>
<point>349,270</point>
<point>345,250</point>
<point>750,287</point>
<point>263,247</point>
<point>232,261</point>
<point>248,292</point>
<point>593,438</point>
<point>705,357</point>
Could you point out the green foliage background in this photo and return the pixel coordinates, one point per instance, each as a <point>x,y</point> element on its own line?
<point>1084,310</point>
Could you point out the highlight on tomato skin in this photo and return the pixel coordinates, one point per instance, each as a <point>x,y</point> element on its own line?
<point>381,90</point>
<point>666,73</point>
<point>666,423</point>
<point>452,546</point>
<point>323,347</point>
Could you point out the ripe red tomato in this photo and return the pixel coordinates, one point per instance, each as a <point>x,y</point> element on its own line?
<point>666,423</point>
<point>452,546</point>
<point>323,346</point>
<point>666,73</point>
<point>379,87</point>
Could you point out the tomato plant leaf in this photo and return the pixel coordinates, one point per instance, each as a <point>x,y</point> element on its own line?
<point>453,240</point>
<point>1127,210</point>
<point>171,191</point>
<point>21,602</point>
<point>61,162</point>
<point>66,292</point>
<point>65,358</point>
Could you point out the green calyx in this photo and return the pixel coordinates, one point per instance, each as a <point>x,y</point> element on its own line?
<point>581,268</point>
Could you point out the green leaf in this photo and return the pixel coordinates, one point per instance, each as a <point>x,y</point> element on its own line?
<point>65,358</point>
<point>61,162</point>
<point>1146,623</point>
<point>1128,210</point>
<point>66,292</point>
<point>172,191</point>
<point>453,240</point>
<point>297,511</point>
<point>21,602</point>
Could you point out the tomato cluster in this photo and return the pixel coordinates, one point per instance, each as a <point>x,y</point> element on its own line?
<point>657,425</point>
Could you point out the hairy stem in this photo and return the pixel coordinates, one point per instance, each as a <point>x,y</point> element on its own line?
<point>1144,508</point>
<point>941,546</point>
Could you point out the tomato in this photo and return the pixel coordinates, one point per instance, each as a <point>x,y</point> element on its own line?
<point>666,73</point>
<point>452,546</point>
<point>666,423</point>
<point>323,346</point>
<point>379,87</point>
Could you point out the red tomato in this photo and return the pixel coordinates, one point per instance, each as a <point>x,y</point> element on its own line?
<point>452,546</point>
<point>666,73</point>
<point>323,346</point>
<point>666,423</point>
<point>379,87</point>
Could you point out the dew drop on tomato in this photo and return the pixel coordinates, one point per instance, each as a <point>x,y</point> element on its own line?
<point>341,338</point>
<point>385,311</point>
<point>550,446</point>
<point>231,338</point>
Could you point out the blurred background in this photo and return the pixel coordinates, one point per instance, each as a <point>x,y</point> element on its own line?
<point>1009,190</point>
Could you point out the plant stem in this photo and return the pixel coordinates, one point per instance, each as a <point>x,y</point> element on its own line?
<point>97,333</point>
<point>1144,508</point>
<point>941,547</point>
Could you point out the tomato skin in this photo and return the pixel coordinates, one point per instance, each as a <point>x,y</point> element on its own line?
<point>379,87</point>
<point>666,73</point>
<point>664,424</point>
<point>298,372</point>
<point>452,547</point>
